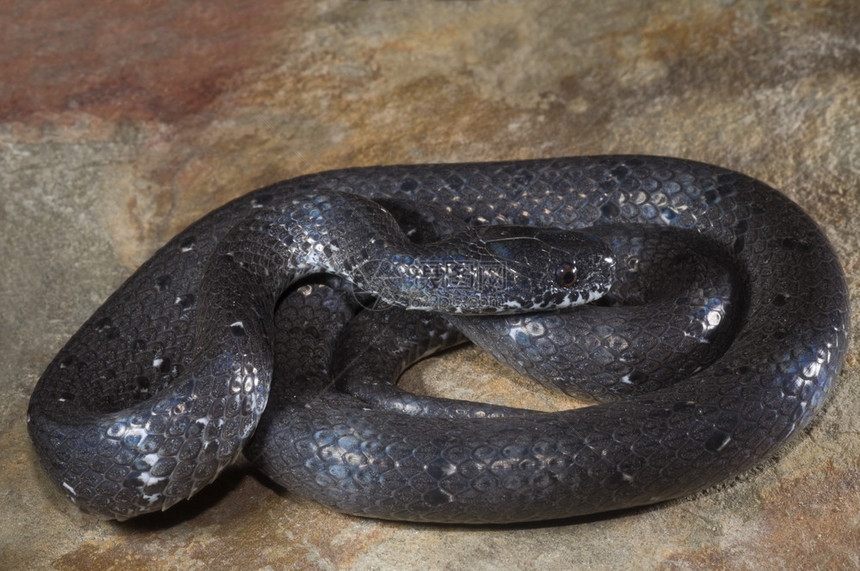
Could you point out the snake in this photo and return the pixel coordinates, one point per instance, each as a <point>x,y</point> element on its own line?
<point>165,385</point>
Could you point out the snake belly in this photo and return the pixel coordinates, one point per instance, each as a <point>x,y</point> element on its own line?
<point>152,436</point>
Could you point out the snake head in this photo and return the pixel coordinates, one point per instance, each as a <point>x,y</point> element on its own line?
<point>499,269</point>
<point>539,269</point>
<point>492,270</point>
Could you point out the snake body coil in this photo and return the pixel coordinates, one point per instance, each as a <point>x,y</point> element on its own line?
<point>164,385</point>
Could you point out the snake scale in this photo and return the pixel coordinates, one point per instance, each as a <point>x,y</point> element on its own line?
<point>165,384</point>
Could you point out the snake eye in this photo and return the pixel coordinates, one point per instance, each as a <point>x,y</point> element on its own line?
<point>565,276</point>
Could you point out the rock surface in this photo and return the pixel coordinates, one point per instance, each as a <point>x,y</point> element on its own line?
<point>120,123</point>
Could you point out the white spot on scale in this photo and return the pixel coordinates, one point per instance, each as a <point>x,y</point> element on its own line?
<point>70,489</point>
<point>135,431</point>
<point>237,324</point>
<point>157,362</point>
<point>150,459</point>
<point>147,478</point>
<point>713,318</point>
<point>626,380</point>
<point>447,469</point>
<point>810,371</point>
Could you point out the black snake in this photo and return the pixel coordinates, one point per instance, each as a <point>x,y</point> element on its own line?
<point>163,386</point>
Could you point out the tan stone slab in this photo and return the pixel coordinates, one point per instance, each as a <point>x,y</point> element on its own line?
<point>120,123</point>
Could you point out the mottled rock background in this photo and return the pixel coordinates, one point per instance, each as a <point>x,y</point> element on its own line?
<point>120,123</point>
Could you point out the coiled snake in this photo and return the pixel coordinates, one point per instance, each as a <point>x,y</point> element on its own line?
<point>165,384</point>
